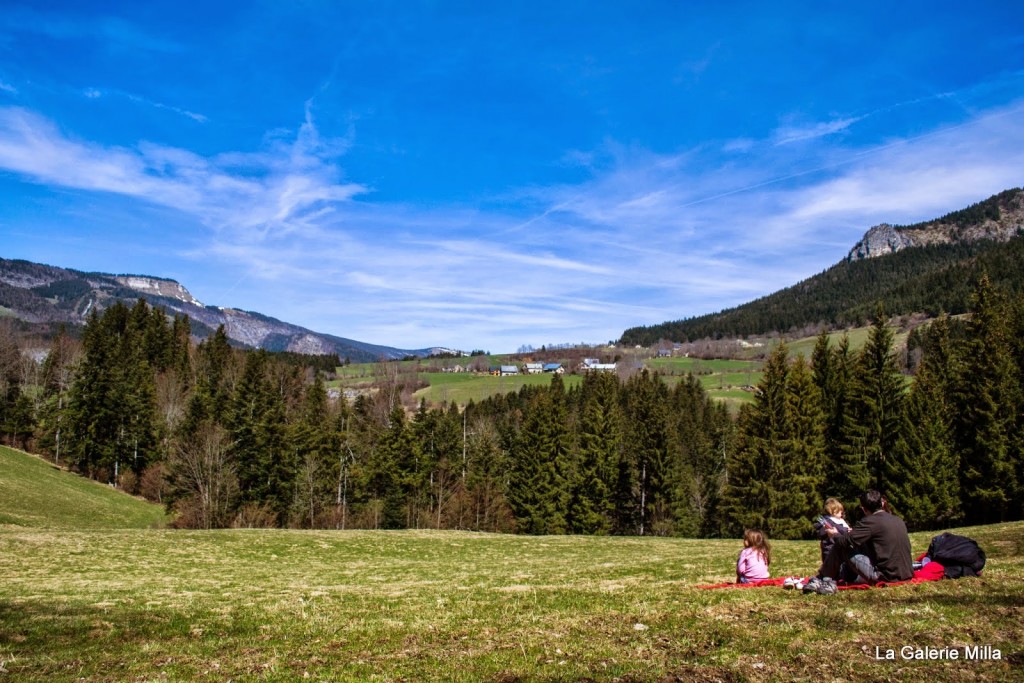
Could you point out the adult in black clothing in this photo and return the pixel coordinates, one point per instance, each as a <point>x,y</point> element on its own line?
<point>878,547</point>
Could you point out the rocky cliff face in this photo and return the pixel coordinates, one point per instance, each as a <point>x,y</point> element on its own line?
<point>998,218</point>
<point>880,240</point>
<point>158,287</point>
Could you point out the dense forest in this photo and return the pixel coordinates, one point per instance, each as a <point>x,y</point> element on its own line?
<point>229,437</point>
<point>924,279</point>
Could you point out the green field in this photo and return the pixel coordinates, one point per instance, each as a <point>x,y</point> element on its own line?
<point>461,387</point>
<point>34,493</point>
<point>723,379</point>
<point>271,605</point>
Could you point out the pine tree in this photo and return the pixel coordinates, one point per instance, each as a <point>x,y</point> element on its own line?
<point>800,465</point>
<point>598,454</point>
<point>393,468</point>
<point>775,478</point>
<point>315,442</point>
<point>698,474</point>
<point>832,370</point>
<point>654,448</point>
<point>538,490</point>
<point>987,399</point>
<point>255,419</point>
<point>875,415</point>
<point>923,475</point>
<point>751,470</point>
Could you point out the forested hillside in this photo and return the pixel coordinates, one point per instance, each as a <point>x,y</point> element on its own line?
<point>226,437</point>
<point>928,279</point>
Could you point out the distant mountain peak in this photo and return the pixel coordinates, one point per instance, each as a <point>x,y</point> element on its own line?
<point>999,218</point>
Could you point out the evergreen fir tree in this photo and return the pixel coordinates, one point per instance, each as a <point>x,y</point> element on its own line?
<point>751,470</point>
<point>875,416</point>
<point>538,491</point>
<point>598,455</point>
<point>315,442</point>
<point>654,449</point>
<point>256,424</point>
<point>923,476</point>
<point>988,399</point>
<point>799,467</point>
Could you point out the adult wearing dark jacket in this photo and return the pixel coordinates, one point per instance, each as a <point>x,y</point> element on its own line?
<point>878,547</point>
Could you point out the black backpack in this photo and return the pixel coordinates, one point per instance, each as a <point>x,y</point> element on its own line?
<point>961,556</point>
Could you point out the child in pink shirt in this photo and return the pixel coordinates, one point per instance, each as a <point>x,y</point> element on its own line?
<point>754,558</point>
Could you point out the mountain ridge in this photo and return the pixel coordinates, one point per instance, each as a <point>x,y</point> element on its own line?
<point>998,218</point>
<point>40,294</point>
<point>927,267</point>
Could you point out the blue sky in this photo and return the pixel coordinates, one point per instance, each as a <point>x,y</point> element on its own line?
<point>490,175</point>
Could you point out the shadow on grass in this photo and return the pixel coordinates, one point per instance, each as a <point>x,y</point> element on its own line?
<point>46,641</point>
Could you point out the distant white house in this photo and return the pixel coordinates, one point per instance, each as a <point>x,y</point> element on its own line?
<point>554,367</point>
<point>593,364</point>
<point>533,368</point>
<point>509,370</point>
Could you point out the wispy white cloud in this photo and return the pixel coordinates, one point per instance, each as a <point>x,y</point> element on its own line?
<point>97,93</point>
<point>283,194</point>
<point>8,88</point>
<point>648,237</point>
<point>791,133</point>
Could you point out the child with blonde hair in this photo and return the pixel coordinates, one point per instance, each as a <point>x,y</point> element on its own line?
<point>833,518</point>
<point>755,557</point>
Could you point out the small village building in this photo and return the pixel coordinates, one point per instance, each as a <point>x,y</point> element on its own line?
<point>533,368</point>
<point>592,365</point>
<point>509,370</point>
<point>554,367</point>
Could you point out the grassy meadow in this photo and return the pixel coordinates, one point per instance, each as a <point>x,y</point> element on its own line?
<point>35,493</point>
<point>138,604</point>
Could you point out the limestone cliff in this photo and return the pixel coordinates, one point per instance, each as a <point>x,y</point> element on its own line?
<point>998,218</point>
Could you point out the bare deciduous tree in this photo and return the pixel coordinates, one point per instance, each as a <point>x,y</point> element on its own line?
<point>202,470</point>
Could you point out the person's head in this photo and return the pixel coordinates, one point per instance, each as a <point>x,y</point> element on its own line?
<point>756,539</point>
<point>834,507</point>
<point>872,501</point>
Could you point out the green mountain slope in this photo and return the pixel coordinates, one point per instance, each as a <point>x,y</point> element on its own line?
<point>34,493</point>
<point>931,278</point>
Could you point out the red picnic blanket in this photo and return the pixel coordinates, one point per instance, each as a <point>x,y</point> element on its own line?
<point>933,571</point>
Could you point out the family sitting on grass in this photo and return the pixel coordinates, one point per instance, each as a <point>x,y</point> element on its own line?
<point>876,549</point>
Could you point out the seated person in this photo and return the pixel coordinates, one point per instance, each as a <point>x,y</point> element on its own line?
<point>876,549</point>
<point>755,557</point>
<point>832,517</point>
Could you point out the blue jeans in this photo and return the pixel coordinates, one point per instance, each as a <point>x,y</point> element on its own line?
<point>864,568</point>
<point>858,564</point>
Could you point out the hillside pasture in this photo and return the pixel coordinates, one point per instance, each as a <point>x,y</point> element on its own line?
<point>36,493</point>
<point>275,605</point>
<point>460,388</point>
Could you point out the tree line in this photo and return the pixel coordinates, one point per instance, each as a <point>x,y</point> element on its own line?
<point>229,437</point>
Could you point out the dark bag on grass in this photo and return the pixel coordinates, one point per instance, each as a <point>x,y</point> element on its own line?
<point>961,556</point>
